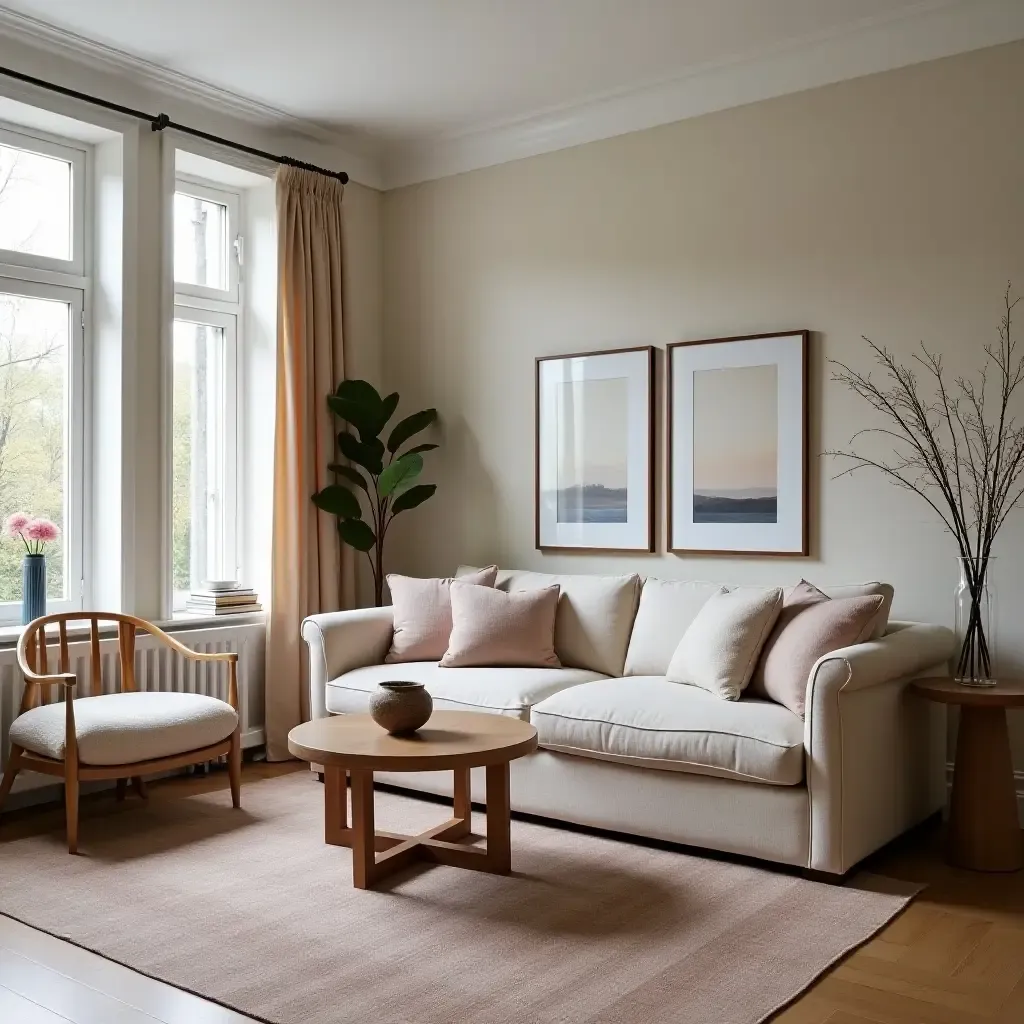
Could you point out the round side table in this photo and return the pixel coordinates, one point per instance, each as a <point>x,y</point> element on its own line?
<point>984,830</point>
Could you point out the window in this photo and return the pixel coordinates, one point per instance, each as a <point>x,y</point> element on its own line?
<point>204,399</point>
<point>42,198</point>
<point>205,264</point>
<point>42,339</point>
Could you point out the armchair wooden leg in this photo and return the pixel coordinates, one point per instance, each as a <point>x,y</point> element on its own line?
<point>10,772</point>
<point>139,785</point>
<point>235,769</point>
<point>121,790</point>
<point>71,803</point>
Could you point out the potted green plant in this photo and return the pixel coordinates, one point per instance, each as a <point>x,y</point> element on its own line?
<point>384,472</point>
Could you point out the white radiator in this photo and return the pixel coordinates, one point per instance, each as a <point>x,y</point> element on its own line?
<point>156,668</point>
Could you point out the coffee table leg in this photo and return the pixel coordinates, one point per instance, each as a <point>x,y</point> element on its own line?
<point>335,807</point>
<point>463,804</point>
<point>364,860</point>
<point>984,832</point>
<point>499,823</point>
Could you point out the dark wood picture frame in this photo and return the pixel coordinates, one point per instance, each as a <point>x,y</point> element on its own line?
<point>804,551</point>
<point>651,457</point>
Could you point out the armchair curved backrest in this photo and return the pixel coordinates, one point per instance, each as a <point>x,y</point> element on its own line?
<point>33,654</point>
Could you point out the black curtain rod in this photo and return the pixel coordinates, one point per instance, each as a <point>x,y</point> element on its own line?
<point>161,121</point>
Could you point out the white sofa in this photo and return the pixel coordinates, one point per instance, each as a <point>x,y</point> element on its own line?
<point>623,748</point>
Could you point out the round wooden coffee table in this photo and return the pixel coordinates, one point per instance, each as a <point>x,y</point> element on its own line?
<point>984,830</point>
<point>451,741</point>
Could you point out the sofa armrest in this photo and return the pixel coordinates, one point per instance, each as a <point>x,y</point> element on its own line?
<point>341,641</point>
<point>906,651</point>
<point>875,754</point>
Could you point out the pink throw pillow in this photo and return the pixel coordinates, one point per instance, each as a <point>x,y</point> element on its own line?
<point>492,628</point>
<point>423,614</point>
<point>796,600</point>
<point>816,627</point>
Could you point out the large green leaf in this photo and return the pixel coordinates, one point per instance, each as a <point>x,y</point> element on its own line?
<point>359,391</point>
<point>363,417</point>
<point>410,425</point>
<point>339,501</point>
<point>420,448</point>
<point>350,474</point>
<point>369,455</point>
<point>356,534</point>
<point>413,497</point>
<point>387,410</point>
<point>399,474</point>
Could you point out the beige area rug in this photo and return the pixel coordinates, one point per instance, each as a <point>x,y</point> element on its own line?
<point>251,909</point>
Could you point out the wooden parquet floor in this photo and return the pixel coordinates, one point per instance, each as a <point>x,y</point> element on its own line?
<point>955,956</point>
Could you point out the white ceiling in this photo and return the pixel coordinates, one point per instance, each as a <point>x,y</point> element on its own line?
<point>418,73</point>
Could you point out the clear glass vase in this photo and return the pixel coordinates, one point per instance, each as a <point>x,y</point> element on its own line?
<point>974,623</point>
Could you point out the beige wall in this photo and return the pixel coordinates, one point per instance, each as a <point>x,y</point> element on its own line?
<point>891,206</point>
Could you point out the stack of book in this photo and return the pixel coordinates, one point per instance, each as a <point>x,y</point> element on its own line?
<point>222,598</point>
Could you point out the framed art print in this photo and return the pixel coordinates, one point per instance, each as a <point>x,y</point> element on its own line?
<point>737,449</point>
<point>595,450</point>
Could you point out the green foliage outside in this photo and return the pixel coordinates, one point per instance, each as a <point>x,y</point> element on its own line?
<point>181,484</point>
<point>32,360</point>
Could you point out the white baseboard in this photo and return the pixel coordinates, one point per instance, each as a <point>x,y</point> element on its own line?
<point>1018,779</point>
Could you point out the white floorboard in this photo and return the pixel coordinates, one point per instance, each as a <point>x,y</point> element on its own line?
<point>46,981</point>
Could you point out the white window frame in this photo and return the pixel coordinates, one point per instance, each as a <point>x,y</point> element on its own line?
<point>216,308</point>
<point>77,157</point>
<point>198,189</point>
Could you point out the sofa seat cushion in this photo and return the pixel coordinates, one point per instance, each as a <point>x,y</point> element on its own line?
<point>503,691</point>
<point>654,723</point>
<point>123,728</point>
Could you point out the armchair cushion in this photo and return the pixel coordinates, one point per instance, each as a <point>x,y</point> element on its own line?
<point>123,728</point>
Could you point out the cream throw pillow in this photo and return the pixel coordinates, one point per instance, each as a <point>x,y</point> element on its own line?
<point>423,614</point>
<point>720,647</point>
<point>491,628</point>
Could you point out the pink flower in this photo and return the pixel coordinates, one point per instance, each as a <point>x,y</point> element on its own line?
<point>42,530</point>
<point>15,524</point>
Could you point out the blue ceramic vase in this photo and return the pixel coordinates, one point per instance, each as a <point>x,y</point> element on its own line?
<point>33,588</point>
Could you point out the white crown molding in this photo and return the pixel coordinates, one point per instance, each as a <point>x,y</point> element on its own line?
<point>927,32</point>
<point>360,158</point>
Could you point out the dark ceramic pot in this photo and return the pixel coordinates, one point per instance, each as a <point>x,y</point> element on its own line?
<point>400,707</point>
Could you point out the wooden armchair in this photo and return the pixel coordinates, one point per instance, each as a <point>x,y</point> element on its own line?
<point>123,735</point>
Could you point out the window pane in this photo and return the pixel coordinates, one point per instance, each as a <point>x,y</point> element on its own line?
<point>35,204</point>
<point>34,337</point>
<point>198,455</point>
<point>200,242</point>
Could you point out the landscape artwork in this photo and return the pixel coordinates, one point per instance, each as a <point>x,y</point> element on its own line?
<point>592,451</point>
<point>737,432</point>
<point>736,445</point>
<point>595,451</point>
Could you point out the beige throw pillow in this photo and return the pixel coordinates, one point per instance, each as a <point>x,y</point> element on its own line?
<point>720,647</point>
<point>423,614</point>
<point>491,628</point>
<point>817,629</point>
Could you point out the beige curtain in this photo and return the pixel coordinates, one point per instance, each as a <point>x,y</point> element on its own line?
<point>310,572</point>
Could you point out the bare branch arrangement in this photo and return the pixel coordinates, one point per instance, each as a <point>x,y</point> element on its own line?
<point>958,446</point>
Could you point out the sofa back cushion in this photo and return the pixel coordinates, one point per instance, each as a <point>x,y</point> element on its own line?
<point>594,618</point>
<point>667,607</point>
